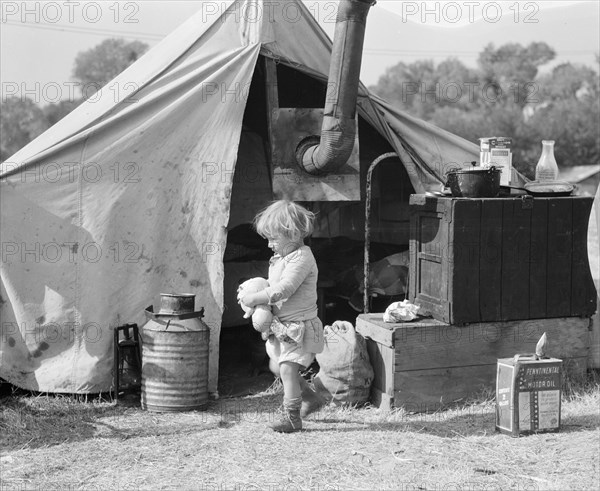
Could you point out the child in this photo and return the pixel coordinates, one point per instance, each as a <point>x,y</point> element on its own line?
<point>292,292</point>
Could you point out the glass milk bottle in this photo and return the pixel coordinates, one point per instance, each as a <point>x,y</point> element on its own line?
<point>547,169</point>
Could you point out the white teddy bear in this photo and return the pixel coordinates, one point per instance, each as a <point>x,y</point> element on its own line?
<point>261,314</point>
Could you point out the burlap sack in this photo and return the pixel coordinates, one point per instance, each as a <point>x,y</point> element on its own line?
<point>345,374</point>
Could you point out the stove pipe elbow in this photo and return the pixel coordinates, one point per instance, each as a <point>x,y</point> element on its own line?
<point>327,153</point>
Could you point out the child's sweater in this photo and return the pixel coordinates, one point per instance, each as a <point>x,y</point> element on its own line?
<point>293,280</point>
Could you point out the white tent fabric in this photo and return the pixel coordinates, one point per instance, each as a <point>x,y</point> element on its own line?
<point>120,201</point>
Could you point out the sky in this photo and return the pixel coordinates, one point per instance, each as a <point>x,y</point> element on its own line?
<point>452,14</point>
<point>39,40</point>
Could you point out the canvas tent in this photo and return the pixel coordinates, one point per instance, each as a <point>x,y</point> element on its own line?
<point>129,195</point>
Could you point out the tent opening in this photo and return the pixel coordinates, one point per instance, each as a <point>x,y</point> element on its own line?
<point>338,240</point>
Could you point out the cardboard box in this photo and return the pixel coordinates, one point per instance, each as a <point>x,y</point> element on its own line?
<point>497,151</point>
<point>501,156</point>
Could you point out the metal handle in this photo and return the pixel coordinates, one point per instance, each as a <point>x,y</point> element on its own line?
<point>529,356</point>
<point>368,226</point>
<point>187,315</point>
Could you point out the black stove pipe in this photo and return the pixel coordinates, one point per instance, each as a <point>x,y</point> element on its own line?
<point>326,154</point>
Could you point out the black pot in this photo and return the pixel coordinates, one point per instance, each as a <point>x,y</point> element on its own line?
<point>475,182</point>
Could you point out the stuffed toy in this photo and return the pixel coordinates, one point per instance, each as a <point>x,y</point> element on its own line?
<point>261,314</point>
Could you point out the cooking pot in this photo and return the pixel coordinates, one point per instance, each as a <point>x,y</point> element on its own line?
<point>474,182</point>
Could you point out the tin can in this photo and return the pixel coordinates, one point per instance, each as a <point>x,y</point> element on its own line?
<point>501,156</point>
<point>484,151</point>
<point>175,356</point>
<point>528,393</point>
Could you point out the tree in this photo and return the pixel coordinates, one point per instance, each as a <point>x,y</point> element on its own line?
<point>568,81</point>
<point>569,113</point>
<point>21,120</point>
<point>95,67</point>
<point>421,88</point>
<point>403,84</point>
<point>510,99</point>
<point>56,111</point>
<point>510,71</point>
<point>470,125</point>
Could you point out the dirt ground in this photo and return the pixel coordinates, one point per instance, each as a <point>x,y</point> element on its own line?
<point>51,442</point>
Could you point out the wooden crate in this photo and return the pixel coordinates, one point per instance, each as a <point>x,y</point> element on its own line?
<point>499,259</point>
<point>425,365</point>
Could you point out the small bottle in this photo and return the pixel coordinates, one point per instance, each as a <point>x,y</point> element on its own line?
<point>547,168</point>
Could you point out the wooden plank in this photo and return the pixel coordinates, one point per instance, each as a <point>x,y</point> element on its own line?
<point>381,400</point>
<point>478,344</point>
<point>446,210</point>
<point>381,359</point>
<point>423,214</point>
<point>416,201</point>
<point>388,333</point>
<point>594,356</point>
<point>430,219</point>
<point>560,246</point>
<point>538,259</point>
<point>376,318</point>
<point>463,291</point>
<point>516,220</point>
<point>574,369</point>
<point>371,326</point>
<point>428,255</point>
<point>413,247</point>
<point>431,390</point>
<point>272,94</point>
<point>490,262</point>
<point>583,291</point>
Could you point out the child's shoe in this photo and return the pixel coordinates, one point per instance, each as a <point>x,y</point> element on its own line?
<point>290,421</point>
<point>311,402</point>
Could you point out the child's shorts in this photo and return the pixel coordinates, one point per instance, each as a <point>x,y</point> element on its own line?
<point>302,352</point>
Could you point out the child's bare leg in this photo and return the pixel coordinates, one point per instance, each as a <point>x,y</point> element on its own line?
<point>303,384</point>
<point>274,367</point>
<point>273,350</point>
<point>311,401</point>
<point>290,376</point>
<point>292,398</point>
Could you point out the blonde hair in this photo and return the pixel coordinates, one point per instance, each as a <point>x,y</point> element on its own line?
<point>284,218</point>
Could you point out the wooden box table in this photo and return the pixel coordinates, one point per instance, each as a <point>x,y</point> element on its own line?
<point>426,364</point>
<point>499,259</point>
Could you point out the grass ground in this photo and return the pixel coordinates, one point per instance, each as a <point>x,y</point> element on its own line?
<point>54,442</point>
